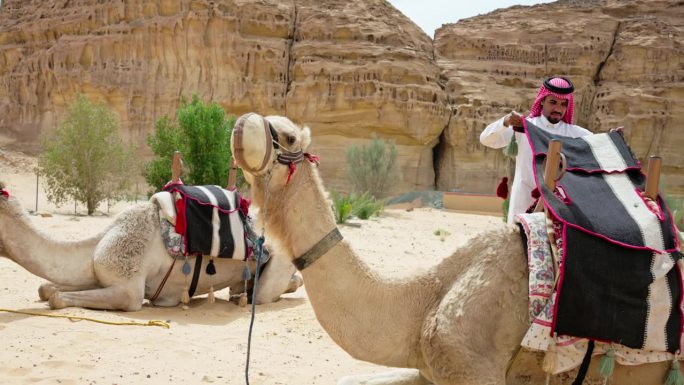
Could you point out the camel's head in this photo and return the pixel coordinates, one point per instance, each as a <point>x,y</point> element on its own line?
<point>266,148</point>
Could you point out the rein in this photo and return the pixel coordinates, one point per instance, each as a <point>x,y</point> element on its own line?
<point>163,282</point>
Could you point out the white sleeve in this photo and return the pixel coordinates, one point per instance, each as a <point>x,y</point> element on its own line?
<point>496,135</point>
<point>583,131</point>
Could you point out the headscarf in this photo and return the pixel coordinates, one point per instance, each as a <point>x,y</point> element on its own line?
<point>558,87</point>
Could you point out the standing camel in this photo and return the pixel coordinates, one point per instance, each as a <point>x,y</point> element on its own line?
<point>461,322</point>
<point>122,265</point>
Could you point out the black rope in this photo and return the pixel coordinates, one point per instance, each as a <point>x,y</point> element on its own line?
<point>259,254</point>
<point>584,367</point>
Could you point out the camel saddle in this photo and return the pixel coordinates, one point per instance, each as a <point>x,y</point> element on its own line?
<point>619,279</point>
<point>208,220</point>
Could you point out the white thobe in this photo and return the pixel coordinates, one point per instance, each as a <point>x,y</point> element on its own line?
<point>496,135</point>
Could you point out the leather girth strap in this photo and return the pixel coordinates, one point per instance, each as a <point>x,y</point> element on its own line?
<point>195,275</point>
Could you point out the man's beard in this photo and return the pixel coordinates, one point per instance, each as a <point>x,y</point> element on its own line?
<point>554,118</point>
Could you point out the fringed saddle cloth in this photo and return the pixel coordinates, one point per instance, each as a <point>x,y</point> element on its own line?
<point>619,280</point>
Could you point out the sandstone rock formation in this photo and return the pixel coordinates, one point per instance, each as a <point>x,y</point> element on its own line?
<point>348,69</point>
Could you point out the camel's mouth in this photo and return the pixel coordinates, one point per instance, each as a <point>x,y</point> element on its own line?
<point>252,143</point>
<point>257,146</point>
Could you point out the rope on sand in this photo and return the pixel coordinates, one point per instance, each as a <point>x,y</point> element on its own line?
<point>76,318</point>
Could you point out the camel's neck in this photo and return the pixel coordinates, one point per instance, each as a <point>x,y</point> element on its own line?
<point>65,263</point>
<point>372,318</point>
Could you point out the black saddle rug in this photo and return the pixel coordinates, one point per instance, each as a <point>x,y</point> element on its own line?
<point>210,220</point>
<point>619,279</point>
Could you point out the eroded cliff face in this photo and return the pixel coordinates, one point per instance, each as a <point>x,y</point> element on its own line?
<point>348,70</point>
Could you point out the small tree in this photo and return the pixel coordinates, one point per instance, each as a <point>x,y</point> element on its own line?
<point>372,168</point>
<point>84,159</point>
<point>202,135</point>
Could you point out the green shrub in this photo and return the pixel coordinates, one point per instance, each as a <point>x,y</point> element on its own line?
<point>202,135</point>
<point>84,158</point>
<point>676,206</point>
<point>342,206</point>
<point>365,206</point>
<point>361,206</point>
<point>372,168</point>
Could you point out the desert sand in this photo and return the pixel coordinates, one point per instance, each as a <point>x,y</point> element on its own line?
<point>208,342</point>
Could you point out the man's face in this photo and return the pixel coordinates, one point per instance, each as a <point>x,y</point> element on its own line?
<point>554,108</point>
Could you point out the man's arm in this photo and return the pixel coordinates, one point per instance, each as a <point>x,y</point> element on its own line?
<point>499,133</point>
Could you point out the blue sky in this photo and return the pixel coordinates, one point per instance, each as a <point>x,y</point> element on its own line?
<point>431,14</point>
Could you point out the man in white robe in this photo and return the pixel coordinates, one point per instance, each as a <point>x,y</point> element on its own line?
<point>552,111</point>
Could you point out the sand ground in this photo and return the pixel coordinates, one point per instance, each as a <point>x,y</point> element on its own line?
<point>208,342</point>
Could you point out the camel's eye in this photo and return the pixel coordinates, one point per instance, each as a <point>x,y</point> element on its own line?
<point>291,140</point>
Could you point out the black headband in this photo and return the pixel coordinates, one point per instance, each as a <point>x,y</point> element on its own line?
<point>556,89</point>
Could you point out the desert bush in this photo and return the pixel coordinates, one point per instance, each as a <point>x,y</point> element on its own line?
<point>202,134</point>
<point>365,206</point>
<point>372,168</point>
<point>676,206</point>
<point>361,206</point>
<point>342,206</point>
<point>84,158</point>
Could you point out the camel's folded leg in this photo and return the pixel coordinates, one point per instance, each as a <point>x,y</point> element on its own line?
<point>394,377</point>
<point>111,298</point>
<point>46,290</point>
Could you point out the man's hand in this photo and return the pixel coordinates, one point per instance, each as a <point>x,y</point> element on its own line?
<point>513,120</point>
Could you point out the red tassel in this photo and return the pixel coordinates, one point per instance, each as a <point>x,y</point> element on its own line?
<point>312,158</point>
<point>181,225</point>
<point>502,188</point>
<point>4,193</point>
<point>535,193</point>
<point>244,205</point>
<point>289,174</point>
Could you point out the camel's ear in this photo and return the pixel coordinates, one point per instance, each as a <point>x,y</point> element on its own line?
<point>306,137</point>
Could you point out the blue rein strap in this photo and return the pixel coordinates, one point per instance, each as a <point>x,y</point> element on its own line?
<point>259,253</point>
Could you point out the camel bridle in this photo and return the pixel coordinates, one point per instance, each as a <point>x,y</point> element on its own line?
<point>290,159</point>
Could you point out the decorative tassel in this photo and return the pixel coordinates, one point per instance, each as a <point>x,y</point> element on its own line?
<point>550,358</point>
<point>185,296</point>
<point>607,364</point>
<point>674,376</point>
<point>246,274</point>
<point>502,188</point>
<point>211,268</point>
<point>512,148</point>
<point>210,296</point>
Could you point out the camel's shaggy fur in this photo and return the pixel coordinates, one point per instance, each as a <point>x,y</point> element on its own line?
<point>459,323</point>
<point>122,265</point>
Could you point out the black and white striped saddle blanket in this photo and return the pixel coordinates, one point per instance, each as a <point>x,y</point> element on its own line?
<point>619,277</point>
<point>211,221</point>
